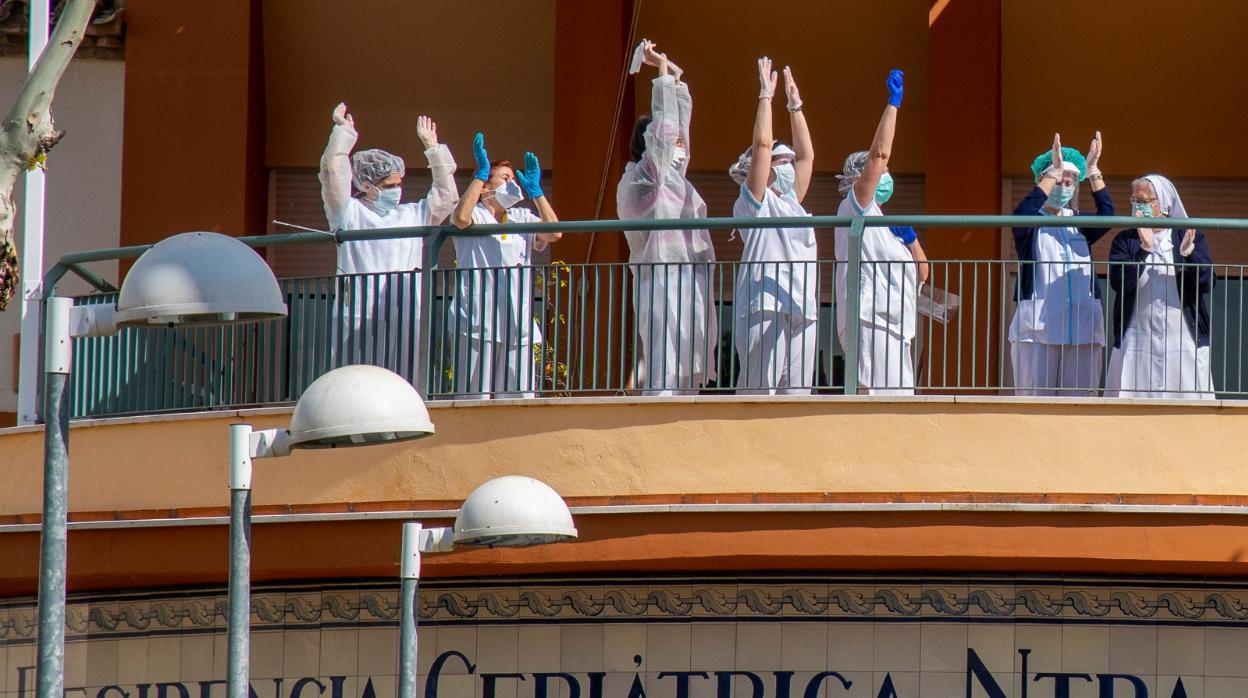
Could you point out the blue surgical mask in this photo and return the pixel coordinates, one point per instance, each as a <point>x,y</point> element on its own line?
<point>387,199</point>
<point>1139,209</point>
<point>1060,196</point>
<point>509,194</point>
<point>785,177</point>
<point>884,190</point>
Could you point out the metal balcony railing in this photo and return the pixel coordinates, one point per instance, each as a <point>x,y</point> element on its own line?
<point>670,329</point>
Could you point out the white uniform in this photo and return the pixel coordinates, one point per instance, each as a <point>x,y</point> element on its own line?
<point>492,317</point>
<point>672,295</point>
<point>1158,356</point>
<point>378,316</point>
<point>775,302</point>
<point>888,294</point>
<point>1057,336</point>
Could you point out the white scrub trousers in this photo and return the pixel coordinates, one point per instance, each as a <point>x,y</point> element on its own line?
<point>1063,370</point>
<point>777,354</point>
<point>485,369</point>
<point>885,362</point>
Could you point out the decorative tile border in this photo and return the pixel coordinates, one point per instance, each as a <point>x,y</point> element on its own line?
<point>672,600</point>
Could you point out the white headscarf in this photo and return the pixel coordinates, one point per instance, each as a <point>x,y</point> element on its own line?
<point>1169,202</point>
<point>1167,196</point>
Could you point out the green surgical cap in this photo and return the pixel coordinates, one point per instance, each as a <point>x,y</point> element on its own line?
<point>1070,155</point>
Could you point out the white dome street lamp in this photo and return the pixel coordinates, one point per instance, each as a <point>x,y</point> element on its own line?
<point>349,406</point>
<point>192,278</point>
<point>506,512</point>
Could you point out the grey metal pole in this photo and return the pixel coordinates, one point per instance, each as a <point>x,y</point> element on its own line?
<point>409,610</point>
<point>239,622</point>
<point>53,536</point>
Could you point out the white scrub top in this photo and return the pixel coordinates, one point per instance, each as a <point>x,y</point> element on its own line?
<point>789,287</point>
<point>494,302</point>
<point>1063,309</point>
<point>888,292</point>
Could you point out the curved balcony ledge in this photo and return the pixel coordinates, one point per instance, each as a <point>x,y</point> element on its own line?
<point>658,451</point>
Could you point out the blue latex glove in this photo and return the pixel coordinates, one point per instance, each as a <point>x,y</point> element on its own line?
<point>531,177</point>
<point>896,84</point>
<point>482,160</point>
<point>905,233</point>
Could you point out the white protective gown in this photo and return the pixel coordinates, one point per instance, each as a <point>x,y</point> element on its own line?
<point>887,310</point>
<point>775,302</point>
<point>378,316</point>
<point>493,316</point>
<point>672,295</point>
<point>1057,336</point>
<point>1158,356</point>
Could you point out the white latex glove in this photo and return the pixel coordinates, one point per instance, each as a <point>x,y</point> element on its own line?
<point>1094,154</point>
<point>1188,244</point>
<point>427,131</point>
<point>341,117</point>
<point>790,90</point>
<point>766,79</point>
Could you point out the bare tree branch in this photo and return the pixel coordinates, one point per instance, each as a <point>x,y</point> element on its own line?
<point>28,131</point>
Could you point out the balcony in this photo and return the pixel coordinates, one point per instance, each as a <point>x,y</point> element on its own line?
<point>574,330</point>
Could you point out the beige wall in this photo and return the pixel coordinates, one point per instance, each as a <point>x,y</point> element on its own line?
<point>486,66</point>
<point>840,53</point>
<point>637,448</point>
<point>1159,79</point>
<point>83,209</point>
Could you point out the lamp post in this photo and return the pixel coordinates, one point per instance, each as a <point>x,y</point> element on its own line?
<point>187,279</point>
<point>506,512</point>
<point>349,406</point>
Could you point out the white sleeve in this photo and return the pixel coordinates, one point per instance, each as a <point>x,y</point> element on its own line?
<point>335,174</point>
<point>444,193</point>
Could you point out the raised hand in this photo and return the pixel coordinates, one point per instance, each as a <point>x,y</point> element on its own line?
<point>341,117</point>
<point>896,85</point>
<point>1188,244</point>
<point>1057,153</point>
<point>1094,154</point>
<point>766,79</point>
<point>531,177</point>
<point>480,158</point>
<point>427,131</point>
<point>650,56</point>
<point>790,91</point>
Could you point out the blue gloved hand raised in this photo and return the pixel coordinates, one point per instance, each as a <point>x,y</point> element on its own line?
<point>905,233</point>
<point>482,160</point>
<point>896,84</point>
<point>531,177</point>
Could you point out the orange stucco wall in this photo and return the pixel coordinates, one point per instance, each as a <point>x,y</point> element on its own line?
<point>1156,78</point>
<point>192,148</point>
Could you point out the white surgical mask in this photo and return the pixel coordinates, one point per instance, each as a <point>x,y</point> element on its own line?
<point>509,194</point>
<point>679,156</point>
<point>387,199</point>
<point>1060,196</point>
<point>785,176</point>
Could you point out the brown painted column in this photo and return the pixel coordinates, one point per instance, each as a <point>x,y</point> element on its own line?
<point>590,51</point>
<point>593,124</point>
<point>964,176</point>
<point>193,141</point>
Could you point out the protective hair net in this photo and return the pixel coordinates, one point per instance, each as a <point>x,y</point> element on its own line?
<point>368,167</point>
<point>741,168</point>
<point>1069,155</point>
<point>1167,196</point>
<point>855,163</point>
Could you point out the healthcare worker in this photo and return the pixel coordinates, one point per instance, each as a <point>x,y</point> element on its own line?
<point>671,268</point>
<point>1057,335</point>
<point>381,309</point>
<point>492,317</point>
<point>1162,279</point>
<point>893,265</point>
<point>775,304</point>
